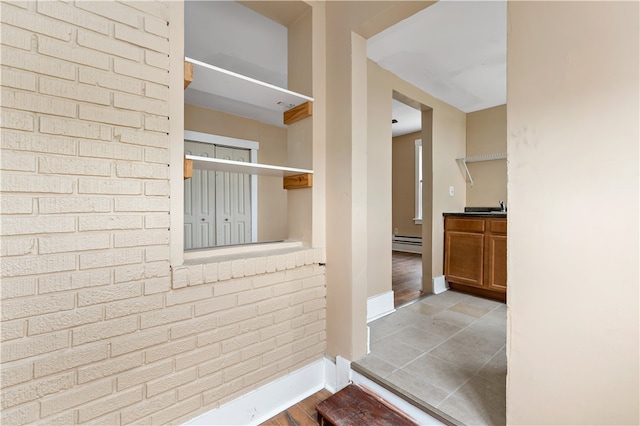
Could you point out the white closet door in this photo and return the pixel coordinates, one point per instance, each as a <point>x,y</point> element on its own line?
<point>199,203</point>
<point>233,200</point>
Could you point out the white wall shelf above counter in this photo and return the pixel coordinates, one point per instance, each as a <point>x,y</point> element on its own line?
<point>483,157</point>
<point>214,86</point>
<point>477,158</point>
<point>221,165</point>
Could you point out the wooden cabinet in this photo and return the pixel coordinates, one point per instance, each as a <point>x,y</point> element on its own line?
<point>475,255</point>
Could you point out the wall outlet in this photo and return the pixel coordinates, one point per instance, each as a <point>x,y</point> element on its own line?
<point>451,191</point>
<point>395,231</point>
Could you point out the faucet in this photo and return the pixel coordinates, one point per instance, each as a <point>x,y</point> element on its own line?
<point>503,208</point>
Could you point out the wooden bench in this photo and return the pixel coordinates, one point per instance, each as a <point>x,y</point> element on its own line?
<point>355,406</point>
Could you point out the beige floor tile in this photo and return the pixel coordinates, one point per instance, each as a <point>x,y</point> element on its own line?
<point>416,337</point>
<point>416,387</point>
<point>483,303</point>
<point>487,343</point>
<point>445,299</point>
<point>470,309</point>
<point>496,369</point>
<point>468,414</point>
<point>390,324</point>
<point>394,353</point>
<point>498,314</point>
<point>438,372</point>
<point>467,358</point>
<point>488,398</point>
<point>492,328</point>
<point>454,318</point>
<point>376,366</point>
<point>425,308</point>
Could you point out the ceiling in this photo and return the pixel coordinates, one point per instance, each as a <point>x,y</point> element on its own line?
<point>453,50</point>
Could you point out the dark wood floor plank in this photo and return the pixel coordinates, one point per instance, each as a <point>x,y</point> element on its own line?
<point>406,277</point>
<point>301,414</point>
<point>309,404</point>
<point>296,416</point>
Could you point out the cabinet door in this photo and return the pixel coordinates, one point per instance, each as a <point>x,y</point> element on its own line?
<point>464,257</point>
<point>497,263</point>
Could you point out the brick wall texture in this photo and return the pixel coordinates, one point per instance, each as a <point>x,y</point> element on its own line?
<point>97,327</point>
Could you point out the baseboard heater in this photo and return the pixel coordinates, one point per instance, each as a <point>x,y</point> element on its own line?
<point>406,243</point>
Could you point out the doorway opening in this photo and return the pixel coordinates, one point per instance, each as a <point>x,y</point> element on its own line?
<point>411,185</point>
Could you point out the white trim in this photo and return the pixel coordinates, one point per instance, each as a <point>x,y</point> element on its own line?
<point>380,305</point>
<point>406,248</point>
<point>219,254</point>
<point>330,376</point>
<point>254,199</point>
<point>412,411</point>
<point>343,372</point>
<point>265,402</point>
<point>440,285</point>
<point>190,135</point>
<point>418,191</point>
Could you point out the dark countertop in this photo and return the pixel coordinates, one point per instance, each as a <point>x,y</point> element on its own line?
<point>478,212</point>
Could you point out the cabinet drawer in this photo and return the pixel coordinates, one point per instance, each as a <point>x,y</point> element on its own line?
<point>498,226</point>
<point>461,224</point>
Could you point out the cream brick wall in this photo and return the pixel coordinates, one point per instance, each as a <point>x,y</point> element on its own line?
<point>97,328</point>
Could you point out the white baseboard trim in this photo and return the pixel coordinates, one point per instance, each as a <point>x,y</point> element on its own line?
<point>440,285</point>
<point>265,402</point>
<point>380,305</point>
<point>330,376</point>
<point>415,413</point>
<point>407,248</point>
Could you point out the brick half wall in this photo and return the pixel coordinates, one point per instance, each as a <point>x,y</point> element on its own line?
<point>96,325</point>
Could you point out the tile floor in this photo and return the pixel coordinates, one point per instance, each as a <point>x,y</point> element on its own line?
<point>446,353</point>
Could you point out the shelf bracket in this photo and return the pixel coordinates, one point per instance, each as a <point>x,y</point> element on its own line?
<point>298,113</point>
<point>188,168</point>
<point>464,163</point>
<point>188,73</point>
<point>303,180</point>
<point>476,158</point>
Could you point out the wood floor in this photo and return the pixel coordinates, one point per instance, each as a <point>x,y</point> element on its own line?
<point>301,414</point>
<point>406,281</point>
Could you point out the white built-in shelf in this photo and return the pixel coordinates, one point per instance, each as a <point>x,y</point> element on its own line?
<point>220,165</point>
<point>220,82</point>
<point>476,158</point>
<point>483,157</point>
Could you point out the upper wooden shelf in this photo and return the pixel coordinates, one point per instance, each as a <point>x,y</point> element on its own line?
<point>218,81</point>
<point>221,165</point>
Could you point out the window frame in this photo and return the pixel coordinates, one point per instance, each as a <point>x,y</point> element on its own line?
<point>418,182</point>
